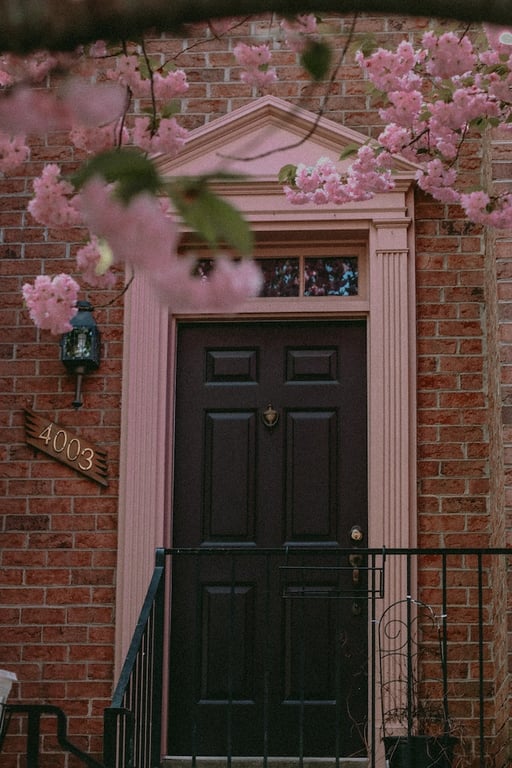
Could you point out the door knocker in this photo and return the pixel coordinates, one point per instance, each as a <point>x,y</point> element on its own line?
<point>270,416</point>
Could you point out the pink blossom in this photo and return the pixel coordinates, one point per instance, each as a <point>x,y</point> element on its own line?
<point>88,261</point>
<point>320,197</point>
<point>445,140</point>
<point>227,286</point>
<point>449,54</point>
<point>322,183</point>
<point>308,178</point>
<point>100,138</point>
<point>439,181</point>
<point>127,73</point>
<point>140,233</point>
<point>93,104</point>
<point>52,302</point>
<point>295,196</point>
<point>476,205</point>
<point>394,138</point>
<point>13,153</point>
<point>255,60</point>
<point>6,79</point>
<point>170,85</point>
<point>33,68</point>
<point>390,71</point>
<point>252,55</point>
<point>405,108</point>
<point>54,203</point>
<point>368,175</point>
<point>259,78</point>
<point>169,137</point>
<point>98,50</point>
<point>498,88</point>
<point>481,209</point>
<point>24,110</point>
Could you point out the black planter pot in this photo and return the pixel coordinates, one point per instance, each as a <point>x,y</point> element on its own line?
<point>419,751</point>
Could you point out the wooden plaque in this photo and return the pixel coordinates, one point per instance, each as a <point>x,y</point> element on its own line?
<point>61,444</point>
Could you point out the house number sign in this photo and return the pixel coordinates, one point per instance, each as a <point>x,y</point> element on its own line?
<point>61,444</point>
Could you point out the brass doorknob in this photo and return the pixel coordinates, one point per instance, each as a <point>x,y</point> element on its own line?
<point>356,533</point>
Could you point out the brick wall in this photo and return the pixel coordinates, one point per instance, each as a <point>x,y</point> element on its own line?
<point>58,529</point>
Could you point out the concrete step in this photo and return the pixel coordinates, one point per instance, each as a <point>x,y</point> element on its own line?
<point>257,762</point>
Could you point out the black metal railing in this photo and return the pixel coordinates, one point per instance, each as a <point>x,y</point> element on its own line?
<point>34,713</point>
<point>133,722</point>
<point>435,649</point>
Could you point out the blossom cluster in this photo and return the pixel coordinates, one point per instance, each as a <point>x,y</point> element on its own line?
<point>141,231</point>
<point>323,183</point>
<point>95,113</point>
<point>254,60</point>
<point>144,235</point>
<point>52,302</point>
<point>433,96</point>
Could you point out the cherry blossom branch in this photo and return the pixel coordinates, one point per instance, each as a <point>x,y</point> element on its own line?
<point>318,115</point>
<point>435,97</point>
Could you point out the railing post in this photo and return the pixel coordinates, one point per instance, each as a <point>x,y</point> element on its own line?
<point>109,738</point>
<point>158,663</point>
<point>33,733</point>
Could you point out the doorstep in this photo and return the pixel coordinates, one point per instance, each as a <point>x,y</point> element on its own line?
<point>272,762</point>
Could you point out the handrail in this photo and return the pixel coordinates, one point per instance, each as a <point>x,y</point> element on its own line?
<point>34,713</point>
<point>295,548</point>
<point>135,643</point>
<point>142,670</point>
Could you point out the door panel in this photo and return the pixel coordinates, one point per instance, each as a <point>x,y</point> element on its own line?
<point>267,654</point>
<point>311,476</point>
<point>229,478</point>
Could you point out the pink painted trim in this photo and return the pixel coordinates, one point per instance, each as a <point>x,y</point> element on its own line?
<point>385,224</point>
<point>144,450</point>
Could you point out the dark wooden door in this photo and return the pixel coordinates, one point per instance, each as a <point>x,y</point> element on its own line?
<point>268,648</point>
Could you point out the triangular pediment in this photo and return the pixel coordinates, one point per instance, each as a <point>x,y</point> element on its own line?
<point>262,136</point>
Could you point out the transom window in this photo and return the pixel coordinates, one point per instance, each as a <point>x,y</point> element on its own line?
<point>310,276</point>
<point>303,276</point>
<point>311,271</point>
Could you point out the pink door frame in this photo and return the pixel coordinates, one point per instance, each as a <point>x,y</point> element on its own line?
<point>383,227</point>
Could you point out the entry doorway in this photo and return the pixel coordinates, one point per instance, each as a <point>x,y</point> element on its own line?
<point>268,655</point>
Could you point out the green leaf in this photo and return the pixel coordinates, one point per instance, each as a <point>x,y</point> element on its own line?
<point>316,59</point>
<point>350,149</point>
<point>287,174</point>
<point>214,219</point>
<point>170,109</point>
<point>143,68</point>
<point>368,45</point>
<point>132,172</point>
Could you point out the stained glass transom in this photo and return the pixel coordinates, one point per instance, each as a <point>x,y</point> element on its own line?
<point>311,276</point>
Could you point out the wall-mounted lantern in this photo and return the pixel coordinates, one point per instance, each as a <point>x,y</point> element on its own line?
<point>80,347</point>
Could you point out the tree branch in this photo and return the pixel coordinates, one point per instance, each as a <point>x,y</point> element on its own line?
<point>29,25</point>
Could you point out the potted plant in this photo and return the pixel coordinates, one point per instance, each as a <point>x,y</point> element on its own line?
<point>417,729</point>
